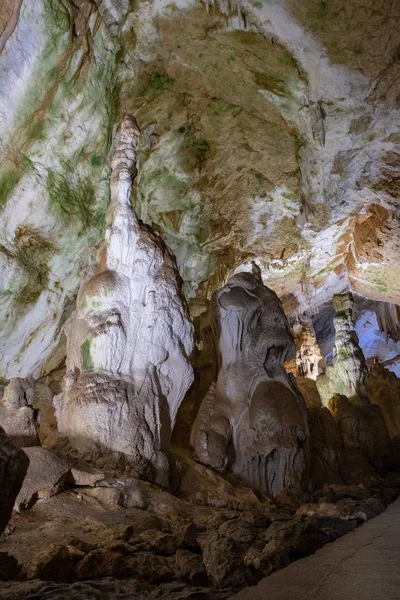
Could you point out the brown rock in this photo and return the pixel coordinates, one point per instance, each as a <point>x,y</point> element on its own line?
<point>53,564</point>
<point>223,562</point>
<point>13,466</point>
<point>8,566</point>
<point>161,543</point>
<point>190,568</point>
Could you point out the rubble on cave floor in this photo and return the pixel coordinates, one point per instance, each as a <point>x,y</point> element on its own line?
<point>121,537</point>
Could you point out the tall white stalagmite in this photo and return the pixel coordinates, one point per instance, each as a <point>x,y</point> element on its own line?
<point>130,337</point>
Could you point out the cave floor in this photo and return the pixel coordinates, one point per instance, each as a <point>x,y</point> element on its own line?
<point>362,565</point>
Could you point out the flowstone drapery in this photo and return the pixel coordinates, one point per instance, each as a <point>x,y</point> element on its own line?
<point>129,339</point>
<point>253,419</point>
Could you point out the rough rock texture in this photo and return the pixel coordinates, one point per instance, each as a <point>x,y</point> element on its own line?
<point>326,448</point>
<point>384,390</point>
<point>45,476</point>
<point>270,133</point>
<point>362,427</point>
<point>129,339</point>
<point>17,415</point>
<point>348,375</point>
<point>181,547</point>
<point>13,467</point>
<point>309,360</point>
<point>253,419</point>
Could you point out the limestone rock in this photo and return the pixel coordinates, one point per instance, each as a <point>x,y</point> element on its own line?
<point>363,426</point>
<point>45,476</point>
<point>122,562</point>
<point>309,391</point>
<point>8,566</point>
<point>384,390</point>
<point>253,419</point>
<point>223,562</point>
<point>13,467</point>
<point>348,375</point>
<point>161,543</point>
<point>190,568</point>
<point>326,448</point>
<point>18,417</point>
<point>53,564</point>
<point>95,590</point>
<point>85,475</point>
<point>309,360</point>
<point>129,339</point>
<point>118,493</point>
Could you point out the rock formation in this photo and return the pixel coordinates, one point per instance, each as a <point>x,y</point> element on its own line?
<point>362,427</point>
<point>309,360</point>
<point>17,415</point>
<point>13,466</point>
<point>326,448</point>
<point>129,339</point>
<point>384,390</point>
<point>253,419</point>
<point>348,375</point>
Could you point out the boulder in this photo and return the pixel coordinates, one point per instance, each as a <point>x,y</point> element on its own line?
<point>118,493</point>
<point>84,475</point>
<point>223,561</point>
<point>45,477</point>
<point>17,415</point>
<point>161,543</point>
<point>190,568</point>
<point>55,563</point>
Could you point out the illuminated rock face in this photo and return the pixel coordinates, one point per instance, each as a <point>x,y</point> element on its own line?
<point>253,419</point>
<point>348,375</point>
<point>129,339</point>
<point>309,360</point>
<point>343,390</point>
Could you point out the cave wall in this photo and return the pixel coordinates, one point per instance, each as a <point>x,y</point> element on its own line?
<point>270,133</point>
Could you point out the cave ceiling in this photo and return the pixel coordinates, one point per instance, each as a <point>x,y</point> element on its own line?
<point>270,132</point>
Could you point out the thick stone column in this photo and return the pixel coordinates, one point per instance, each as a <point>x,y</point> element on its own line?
<point>253,419</point>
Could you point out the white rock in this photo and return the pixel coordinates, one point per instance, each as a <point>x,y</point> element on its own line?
<point>129,339</point>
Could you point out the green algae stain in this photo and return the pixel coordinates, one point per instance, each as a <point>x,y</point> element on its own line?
<point>72,199</point>
<point>8,182</point>
<point>31,252</point>
<point>87,361</point>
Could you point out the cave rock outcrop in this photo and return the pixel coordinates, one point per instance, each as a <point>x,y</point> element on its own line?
<point>384,390</point>
<point>19,419</point>
<point>13,466</point>
<point>253,419</point>
<point>129,339</point>
<point>363,430</point>
<point>348,375</point>
<point>309,360</point>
